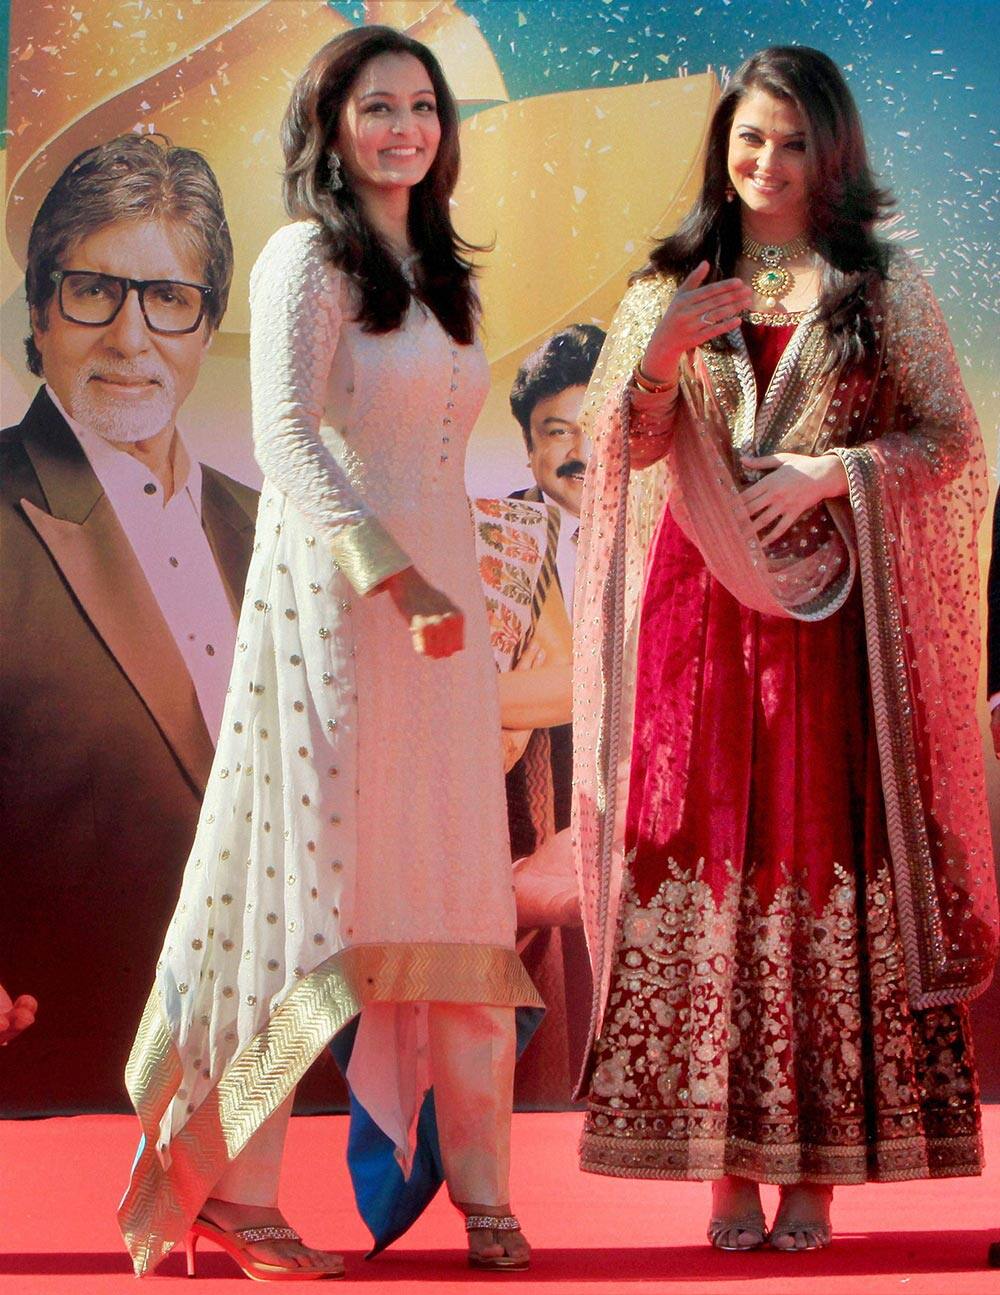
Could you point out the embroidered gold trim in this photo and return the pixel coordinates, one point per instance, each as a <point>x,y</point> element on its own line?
<point>797,390</point>
<point>892,727</point>
<point>959,1157</point>
<point>774,319</point>
<point>367,554</point>
<point>171,1182</point>
<point>730,392</point>
<point>913,866</point>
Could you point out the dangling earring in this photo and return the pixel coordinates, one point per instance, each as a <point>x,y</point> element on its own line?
<point>335,180</point>
<point>730,193</point>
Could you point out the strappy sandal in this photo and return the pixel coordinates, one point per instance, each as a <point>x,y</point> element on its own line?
<point>235,1245</point>
<point>720,1229</point>
<point>817,1233</point>
<point>496,1225</point>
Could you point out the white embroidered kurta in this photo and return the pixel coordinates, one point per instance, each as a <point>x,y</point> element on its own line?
<point>352,846</point>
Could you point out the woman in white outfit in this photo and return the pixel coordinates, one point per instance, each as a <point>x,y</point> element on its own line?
<point>352,854</point>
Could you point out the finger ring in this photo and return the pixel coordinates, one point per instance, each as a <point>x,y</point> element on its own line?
<point>706,320</point>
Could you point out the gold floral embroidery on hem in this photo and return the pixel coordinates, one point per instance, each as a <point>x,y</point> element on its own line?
<point>772,1037</point>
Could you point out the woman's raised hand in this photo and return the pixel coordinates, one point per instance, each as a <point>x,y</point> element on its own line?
<point>437,626</point>
<point>695,315</point>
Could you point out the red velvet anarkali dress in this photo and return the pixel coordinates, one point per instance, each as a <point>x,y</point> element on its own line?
<point>758,1021</point>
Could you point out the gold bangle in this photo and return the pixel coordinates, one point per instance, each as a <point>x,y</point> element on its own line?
<point>652,388</point>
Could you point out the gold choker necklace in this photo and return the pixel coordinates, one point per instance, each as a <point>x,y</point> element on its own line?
<point>773,281</point>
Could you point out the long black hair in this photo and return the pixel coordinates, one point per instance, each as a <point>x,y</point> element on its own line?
<point>443,272</point>
<point>844,199</point>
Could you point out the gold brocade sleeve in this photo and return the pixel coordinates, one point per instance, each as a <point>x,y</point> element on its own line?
<point>640,311</point>
<point>367,554</point>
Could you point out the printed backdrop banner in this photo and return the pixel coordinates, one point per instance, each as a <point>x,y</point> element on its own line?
<point>583,128</point>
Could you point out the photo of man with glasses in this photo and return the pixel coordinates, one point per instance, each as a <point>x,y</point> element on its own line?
<point>124,564</point>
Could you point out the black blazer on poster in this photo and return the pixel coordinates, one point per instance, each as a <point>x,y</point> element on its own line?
<point>104,757</point>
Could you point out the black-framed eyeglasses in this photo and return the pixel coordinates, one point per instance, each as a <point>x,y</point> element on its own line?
<point>167,305</point>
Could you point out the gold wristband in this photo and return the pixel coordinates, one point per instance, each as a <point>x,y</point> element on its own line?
<point>652,388</point>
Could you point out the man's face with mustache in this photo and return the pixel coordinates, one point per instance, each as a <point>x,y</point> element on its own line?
<point>121,380</point>
<point>559,449</point>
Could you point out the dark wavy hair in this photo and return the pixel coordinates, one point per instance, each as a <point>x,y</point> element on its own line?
<point>443,273</point>
<point>130,178</point>
<point>844,199</point>
<point>566,359</point>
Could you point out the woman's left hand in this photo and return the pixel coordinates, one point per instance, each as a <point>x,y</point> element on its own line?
<point>792,484</point>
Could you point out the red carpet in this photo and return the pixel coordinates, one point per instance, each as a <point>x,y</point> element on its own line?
<point>60,1181</point>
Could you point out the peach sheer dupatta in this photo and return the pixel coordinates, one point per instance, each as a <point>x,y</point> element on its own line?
<point>918,492</point>
<point>910,401</point>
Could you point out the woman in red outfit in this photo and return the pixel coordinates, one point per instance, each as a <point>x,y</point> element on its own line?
<point>780,814</point>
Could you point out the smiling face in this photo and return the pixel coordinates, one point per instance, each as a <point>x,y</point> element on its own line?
<point>389,129</point>
<point>768,166</point>
<point>559,449</point>
<point>120,380</point>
